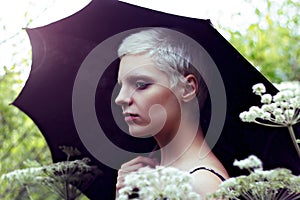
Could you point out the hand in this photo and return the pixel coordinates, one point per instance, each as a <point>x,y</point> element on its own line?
<point>132,166</point>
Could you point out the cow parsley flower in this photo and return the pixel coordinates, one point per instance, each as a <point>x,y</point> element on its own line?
<point>266,98</point>
<point>159,183</point>
<point>252,162</point>
<point>259,88</point>
<point>280,110</point>
<point>26,176</point>
<point>260,184</point>
<point>62,178</point>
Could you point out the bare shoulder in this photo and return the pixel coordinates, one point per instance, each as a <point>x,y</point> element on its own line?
<point>205,182</point>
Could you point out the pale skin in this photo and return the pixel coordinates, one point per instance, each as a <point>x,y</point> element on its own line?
<point>142,86</point>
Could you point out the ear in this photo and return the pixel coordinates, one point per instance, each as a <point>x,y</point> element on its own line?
<point>190,88</point>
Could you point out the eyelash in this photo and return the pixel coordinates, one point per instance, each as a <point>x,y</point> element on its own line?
<point>141,85</point>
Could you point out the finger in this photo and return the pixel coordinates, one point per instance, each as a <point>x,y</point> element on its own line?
<point>130,168</point>
<point>140,159</point>
<point>127,170</point>
<point>156,162</point>
<point>119,184</point>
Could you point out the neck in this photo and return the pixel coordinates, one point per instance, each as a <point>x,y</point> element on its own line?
<point>184,146</point>
<point>183,143</point>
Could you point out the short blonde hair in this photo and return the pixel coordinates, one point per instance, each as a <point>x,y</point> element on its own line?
<point>171,52</point>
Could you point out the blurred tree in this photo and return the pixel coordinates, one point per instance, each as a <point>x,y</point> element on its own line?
<point>20,138</point>
<point>272,42</point>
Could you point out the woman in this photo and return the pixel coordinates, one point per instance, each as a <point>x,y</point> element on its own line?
<point>161,93</point>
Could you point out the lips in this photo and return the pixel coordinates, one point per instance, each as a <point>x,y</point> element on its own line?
<point>129,117</point>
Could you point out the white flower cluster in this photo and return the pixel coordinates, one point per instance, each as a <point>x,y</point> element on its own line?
<point>27,176</point>
<point>252,162</point>
<point>67,170</point>
<point>64,177</point>
<point>260,184</point>
<point>282,109</point>
<point>61,177</point>
<point>159,183</point>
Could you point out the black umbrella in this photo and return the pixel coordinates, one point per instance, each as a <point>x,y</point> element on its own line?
<point>54,99</point>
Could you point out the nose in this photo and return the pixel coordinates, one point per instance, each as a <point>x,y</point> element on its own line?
<point>124,98</point>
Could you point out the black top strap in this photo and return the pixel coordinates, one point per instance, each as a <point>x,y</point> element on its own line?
<point>208,169</point>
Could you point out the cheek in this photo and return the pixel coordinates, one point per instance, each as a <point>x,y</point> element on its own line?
<point>165,99</point>
<point>161,96</point>
<point>173,108</point>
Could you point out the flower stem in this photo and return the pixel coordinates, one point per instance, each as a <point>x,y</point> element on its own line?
<point>67,190</point>
<point>28,192</point>
<point>270,125</point>
<point>294,139</point>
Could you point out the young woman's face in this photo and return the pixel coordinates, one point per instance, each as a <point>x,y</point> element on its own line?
<point>149,105</point>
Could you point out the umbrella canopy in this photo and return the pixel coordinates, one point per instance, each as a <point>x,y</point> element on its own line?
<point>60,53</point>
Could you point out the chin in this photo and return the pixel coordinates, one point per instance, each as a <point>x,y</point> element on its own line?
<point>140,132</point>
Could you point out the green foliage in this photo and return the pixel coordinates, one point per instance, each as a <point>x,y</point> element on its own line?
<point>272,42</point>
<point>20,138</point>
